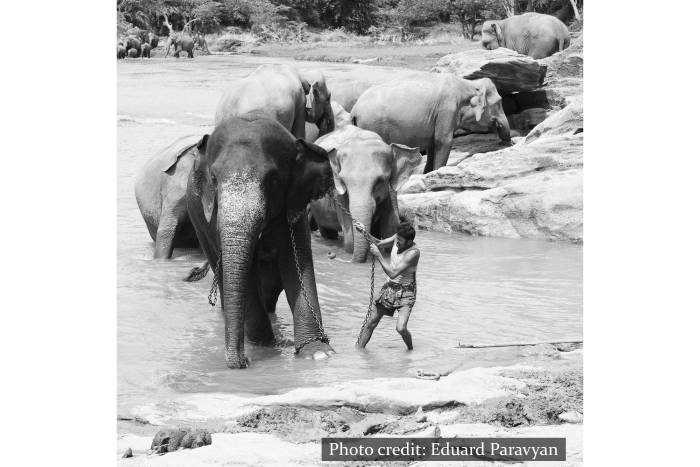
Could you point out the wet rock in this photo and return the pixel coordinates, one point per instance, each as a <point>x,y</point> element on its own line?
<point>567,346</point>
<point>172,439</point>
<point>509,70</point>
<point>168,440</point>
<point>128,453</point>
<point>530,190</point>
<point>571,417</point>
<point>568,121</point>
<point>196,439</point>
<point>564,77</point>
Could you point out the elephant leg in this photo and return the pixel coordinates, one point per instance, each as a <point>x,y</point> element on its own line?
<point>258,328</point>
<point>442,151</point>
<point>165,237</point>
<point>190,54</point>
<point>301,296</point>
<point>430,163</point>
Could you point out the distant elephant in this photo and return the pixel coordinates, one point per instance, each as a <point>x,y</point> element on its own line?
<point>121,51</point>
<point>133,42</point>
<point>346,93</point>
<point>285,94</point>
<point>340,117</point>
<point>142,34</point>
<point>532,34</point>
<point>182,42</point>
<point>145,51</point>
<point>133,53</point>
<point>367,172</point>
<point>246,196</point>
<point>153,40</point>
<point>160,188</point>
<point>424,112</point>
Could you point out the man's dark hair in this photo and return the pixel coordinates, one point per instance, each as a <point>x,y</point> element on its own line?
<point>405,229</point>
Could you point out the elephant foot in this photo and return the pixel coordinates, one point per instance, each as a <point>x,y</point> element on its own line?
<point>236,362</point>
<point>316,350</point>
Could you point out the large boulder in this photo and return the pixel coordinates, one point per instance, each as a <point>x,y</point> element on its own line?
<point>509,70</point>
<point>530,190</point>
<point>564,77</point>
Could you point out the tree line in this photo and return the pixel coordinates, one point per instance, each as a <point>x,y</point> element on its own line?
<point>357,16</point>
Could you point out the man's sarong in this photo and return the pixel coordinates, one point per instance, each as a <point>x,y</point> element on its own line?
<point>394,296</point>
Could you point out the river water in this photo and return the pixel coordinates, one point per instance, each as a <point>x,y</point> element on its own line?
<point>170,341</point>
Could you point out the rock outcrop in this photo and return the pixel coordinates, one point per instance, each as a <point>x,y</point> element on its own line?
<point>533,189</point>
<point>530,190</point>
<point>509,70</point>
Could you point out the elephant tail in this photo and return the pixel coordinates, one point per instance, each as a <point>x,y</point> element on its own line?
<point>563,43</point>
<point>197,274</point>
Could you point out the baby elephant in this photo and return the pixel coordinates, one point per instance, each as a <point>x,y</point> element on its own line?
<point>121,51</point>
<point>172,439</point>
<point>145,51</point>
<point>133,53</point>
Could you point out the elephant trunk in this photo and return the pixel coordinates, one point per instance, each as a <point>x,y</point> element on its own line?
<point>502,127</point>
<point>241,215</point>
<point>363,211</point>
<point>326,123</point>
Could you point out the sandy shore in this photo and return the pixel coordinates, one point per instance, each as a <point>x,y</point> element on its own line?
<point>284,429</point>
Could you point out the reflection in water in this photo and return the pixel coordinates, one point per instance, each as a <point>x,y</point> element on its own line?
<point>470,290</point>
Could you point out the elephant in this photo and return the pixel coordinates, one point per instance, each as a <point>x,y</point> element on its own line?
<point>340,118</point>
<point>182,42</point>
<point>160,188</point>
<point>347,93</point>
<point>247,196</point>
<point>283,93</point>
<point>133,42</point>
<point>424,111</point>
<point>533,34</point>
<point>142,34</point>
<point>145,51</point>
<point>367,172</point>
<point>121,51</point>
<point>132,53</point>
<point>153,40</point>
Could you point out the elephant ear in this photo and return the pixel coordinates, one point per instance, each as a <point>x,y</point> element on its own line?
<point>172,154</point>
<point>207,189</point>
<point>334,159</point>
<point>312,176</point>
<point>405,160</point>
<point>499,34</point>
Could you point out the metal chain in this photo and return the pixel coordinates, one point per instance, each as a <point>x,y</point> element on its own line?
<point>213,293</point>
<point>361,227</point>
<point>323,338</point>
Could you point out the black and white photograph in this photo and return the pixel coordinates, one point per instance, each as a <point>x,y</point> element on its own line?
<point>349,220</point>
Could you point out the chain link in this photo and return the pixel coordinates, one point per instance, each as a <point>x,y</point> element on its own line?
<point>214,291</point>
<point>323,338</point>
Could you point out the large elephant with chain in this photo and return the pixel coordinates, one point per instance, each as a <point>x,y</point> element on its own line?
<point>246,197</point>
<point>367,172</point>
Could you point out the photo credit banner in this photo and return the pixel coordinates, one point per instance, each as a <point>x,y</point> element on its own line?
<point>444,449</point>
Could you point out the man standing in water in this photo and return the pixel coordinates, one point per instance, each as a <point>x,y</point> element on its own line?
<point>399,292</point>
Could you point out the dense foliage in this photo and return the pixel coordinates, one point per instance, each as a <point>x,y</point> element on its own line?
<point>359,16</point>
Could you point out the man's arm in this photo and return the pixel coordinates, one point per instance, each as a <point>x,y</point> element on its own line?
<point>408,260</point>
<point>380,243</point>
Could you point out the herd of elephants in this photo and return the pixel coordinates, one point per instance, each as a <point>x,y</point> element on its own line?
<point>289,154</point>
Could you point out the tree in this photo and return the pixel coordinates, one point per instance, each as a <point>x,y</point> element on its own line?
<point>472,12</point>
